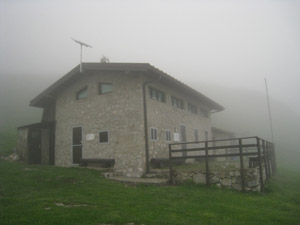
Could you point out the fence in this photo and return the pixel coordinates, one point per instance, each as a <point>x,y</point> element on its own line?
<point>257,151</point>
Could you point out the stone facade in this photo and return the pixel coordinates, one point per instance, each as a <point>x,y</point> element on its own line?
<point>224,178</point>
<point>21,147</point>
<point>165,117</point>
<point>120,114</point>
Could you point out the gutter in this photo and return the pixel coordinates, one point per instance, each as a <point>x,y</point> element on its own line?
<point>146,122</point>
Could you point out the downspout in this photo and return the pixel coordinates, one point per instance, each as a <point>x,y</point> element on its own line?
<point>146,123</point>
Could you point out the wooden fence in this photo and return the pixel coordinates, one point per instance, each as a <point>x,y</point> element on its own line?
<point>258,150</point>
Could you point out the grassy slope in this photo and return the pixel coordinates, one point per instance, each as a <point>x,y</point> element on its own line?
<point>28,195</point>
<point>7,141</point>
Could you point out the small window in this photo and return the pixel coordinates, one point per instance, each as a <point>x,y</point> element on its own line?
<point>105,88</point>
<point>196,133</point>
<point>103,136</point>
<point>192,108</point>
<point>168,135</point>
<point>153,134</point>
<point>204,113</point>
<point>206,135</point>
<point>156,94</point>
<point>177,102</point>
<point>83,93</point>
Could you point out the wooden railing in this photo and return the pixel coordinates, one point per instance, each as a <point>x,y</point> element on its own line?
<point>262,151</point>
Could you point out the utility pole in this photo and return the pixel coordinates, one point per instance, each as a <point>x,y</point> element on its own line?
<point>270,117</point>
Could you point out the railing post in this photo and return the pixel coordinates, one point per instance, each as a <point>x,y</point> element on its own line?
<point>206,164</point>
<point>271,166</point>
<point>170,165</point>
<point>265,159</point>
<point>242,165</point>
<point>275,165</point>
<point>260,165</point>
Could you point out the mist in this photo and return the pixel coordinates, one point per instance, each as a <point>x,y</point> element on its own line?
<point>223,49</point>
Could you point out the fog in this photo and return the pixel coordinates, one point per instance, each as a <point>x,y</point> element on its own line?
<point>223,49</point>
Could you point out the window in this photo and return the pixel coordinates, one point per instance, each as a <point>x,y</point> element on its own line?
<point>192,108</point>
<point>153,134</point>
<point>82,93</point>
<point>206,135</point>
<point>196,133</point>
<point>156,94</point>
<point>103,136</point>
<point>177,102</point>
<point>168,135</point>
<point>105,88</point>
<point>204,113</point>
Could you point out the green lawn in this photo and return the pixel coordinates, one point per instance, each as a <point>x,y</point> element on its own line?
<point>35,194</point>
<point>31,194</point>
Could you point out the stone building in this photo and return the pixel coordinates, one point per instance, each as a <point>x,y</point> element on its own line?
<point>126,112</point>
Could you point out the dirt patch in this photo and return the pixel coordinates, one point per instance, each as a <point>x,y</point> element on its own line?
<point>71,205</point>
<point>29,169</point>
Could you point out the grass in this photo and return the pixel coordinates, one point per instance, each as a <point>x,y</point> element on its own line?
<point>7,141</point>
<point>36,194</point>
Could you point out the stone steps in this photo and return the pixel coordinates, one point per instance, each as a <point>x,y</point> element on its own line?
<point>135,181</point>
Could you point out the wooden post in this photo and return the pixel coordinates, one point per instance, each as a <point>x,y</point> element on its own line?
<point>206,164</point>
<point>265,159</point>
<point>260,165</point>
<point>275,165</point>
<point>242,165</point>
<point>266,153</point>
<point>170,165</point>
<point>269,160</point>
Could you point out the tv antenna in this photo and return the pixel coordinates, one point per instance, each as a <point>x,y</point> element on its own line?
<point>84,44</point>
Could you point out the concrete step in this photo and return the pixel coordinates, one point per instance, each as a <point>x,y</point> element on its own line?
<point>135,181</point>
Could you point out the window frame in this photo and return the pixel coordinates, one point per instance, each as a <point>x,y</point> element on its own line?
<point>156,133</point>
<point>102,131</point>
<point>85,88</point>
<point>204,113</point>
<point>192,108</point>
<point>100,88</point>
<point>196,135</point>
<point>156,94</point>
<point>168,134</point>
<point>175,101</point>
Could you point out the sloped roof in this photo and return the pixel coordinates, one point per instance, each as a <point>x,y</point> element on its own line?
<point>126,67</point>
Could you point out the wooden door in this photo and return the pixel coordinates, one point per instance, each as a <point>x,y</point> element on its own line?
<point>77,144</point>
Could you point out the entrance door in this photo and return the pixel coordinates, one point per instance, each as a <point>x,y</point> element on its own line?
<point>34,146</point>
<point>183,138</point>
<point>77,144</point>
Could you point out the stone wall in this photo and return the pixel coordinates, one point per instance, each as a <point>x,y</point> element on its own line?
<point>164,116</point>
<point>21,148</point>
<point>226,179</point>
<point>118,112</point>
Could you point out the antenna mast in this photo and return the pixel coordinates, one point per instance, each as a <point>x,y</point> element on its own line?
<point>84,44</point>
<point>270,118</point>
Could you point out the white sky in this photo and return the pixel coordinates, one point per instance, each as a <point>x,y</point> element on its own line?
<point>226,43</point>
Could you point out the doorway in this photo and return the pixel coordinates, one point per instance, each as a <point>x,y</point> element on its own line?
<point>183,138</point>
<point>77,144</point>
<point>34,146</point>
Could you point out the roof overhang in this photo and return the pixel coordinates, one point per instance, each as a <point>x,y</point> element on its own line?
<point>48,94</point>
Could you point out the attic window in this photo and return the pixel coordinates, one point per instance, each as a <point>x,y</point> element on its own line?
<point>156,94</point>
<point>82,93</point>
<point>177,102</point>
<point>105,88</point>
<point>192,108</point>
<point>204,113</point>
